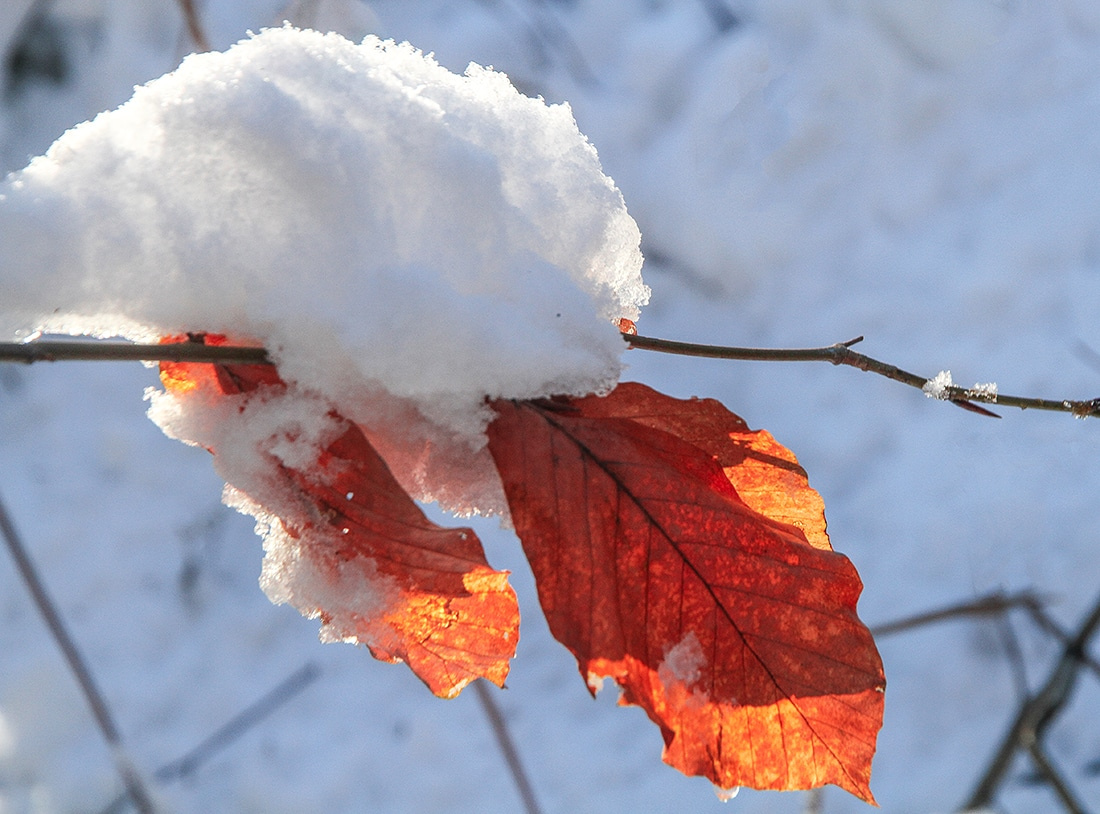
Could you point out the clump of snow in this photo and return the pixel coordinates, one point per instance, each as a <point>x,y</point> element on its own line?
<point>986,391</point>
<point>936,387</point>
<point>347,595</point>
<point>255,438</point>
<point>595,682</point>
<point>404,240</point>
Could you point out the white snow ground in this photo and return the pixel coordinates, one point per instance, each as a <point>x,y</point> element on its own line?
<point>923,173</point>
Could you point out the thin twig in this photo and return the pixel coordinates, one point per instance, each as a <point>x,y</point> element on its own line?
<point>1050,774</point>
<point>838,354</point>
<point>194,26</point>
<point>1037,713</point>
<point>815,801</point>
<point>507,748</point>
<point>240,723</point>
<point>84,351</point>
<point>230,731</point>
<point>1016,660</point>
<point>131,778</point>
<point>842,354</point>
<point>994,603</point>
<point>1044,622</point>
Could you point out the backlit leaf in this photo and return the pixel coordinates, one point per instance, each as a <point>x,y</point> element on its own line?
<point>738,637</point>
<point>425,594</point>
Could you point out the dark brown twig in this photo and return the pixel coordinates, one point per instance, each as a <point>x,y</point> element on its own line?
<point>1045,623</point>
<point>995,603</point>
<point>815,801</point>
<point>194,26</point>
<point>842,354</point>
<point>1053,778</point>
<point>1036,714</point>
<point>127,770</point>
<point>84,351</point>
<point>240,723</point>
<point>838,354</point>
<point>1015,655</point>
<point>230,731</point>
<point>507,748</point>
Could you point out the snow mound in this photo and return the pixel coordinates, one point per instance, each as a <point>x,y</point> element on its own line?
<point>403,239</point>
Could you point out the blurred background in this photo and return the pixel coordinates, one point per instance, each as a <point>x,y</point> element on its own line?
<point>924,173</point>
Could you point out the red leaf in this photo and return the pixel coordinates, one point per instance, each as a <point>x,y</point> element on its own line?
<point>737,637</point>
<point>443,610</point>
<point>765,474</point>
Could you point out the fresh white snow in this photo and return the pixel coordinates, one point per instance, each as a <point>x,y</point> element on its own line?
<point>937,386</point>
<point>684,661</point>
<point>378,222</point>
<point>920,173</point>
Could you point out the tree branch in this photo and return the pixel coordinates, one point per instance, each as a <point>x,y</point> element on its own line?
<point>842,354</point>
<point>991,604</point>
<point>51,350</point>
<point>1034,716</point>
<point>97,703</point>
<point>838,354</point>
<point>507,748</point>
<point>1053,778</point>
<point>194,26</point>
<point>225,735</point>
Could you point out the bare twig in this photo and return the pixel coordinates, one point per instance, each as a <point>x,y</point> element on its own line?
<point>507,748</point>
<point>990,604</point>
<point>1044,622</point>
<point>226,734</point>
<point>131,778</point>
<point>1037,713</point>
<point>815,801</point>
<point>84,351</point>
<point>194,26</point>
<point>240,723</point>
<point>1050,774</point>
<point>1016,659</point>
<point>842,354</point>
<point>838,354</point>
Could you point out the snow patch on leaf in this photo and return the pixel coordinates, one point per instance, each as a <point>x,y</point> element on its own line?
<point>344,594</point>
<point>258,435</point>
<point>343,542</point>
<point>684,661</point>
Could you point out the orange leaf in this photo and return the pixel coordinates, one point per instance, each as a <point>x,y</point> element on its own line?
<point>765,474</point>
<point>738,638</point>
<point>428,597</point>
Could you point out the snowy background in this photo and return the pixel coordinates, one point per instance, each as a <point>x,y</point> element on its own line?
<point>922,173</point>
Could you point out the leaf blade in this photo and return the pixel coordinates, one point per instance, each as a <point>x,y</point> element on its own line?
<point>723,624</point>
<point>364,557</point>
